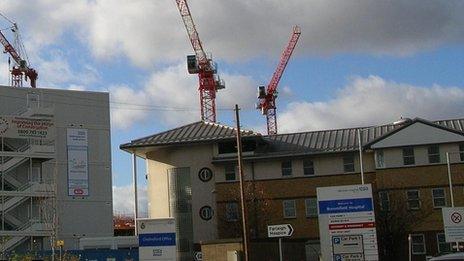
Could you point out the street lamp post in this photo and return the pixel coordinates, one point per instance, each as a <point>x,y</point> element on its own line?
<point>360,155</point>
<point>450,183</point>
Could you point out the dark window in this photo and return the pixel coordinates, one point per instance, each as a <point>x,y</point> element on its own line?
<point>418,244</point>
<point>413,199</point>
<point>408,156</point>
<point>232,211</point>
<point>348,163</point>
<point>384,200</point>
<point>443,247</point>
<point>311,207</point>
<point>286,168</point>
<point>379,159</point>
<point>227,147</point>
<point>289,207</point>
<point>308,167</point>
<point>231,146</point>
<point>439,197</point>
<point>461,151</point>
<point>434,154</point>
<point>229,171</point>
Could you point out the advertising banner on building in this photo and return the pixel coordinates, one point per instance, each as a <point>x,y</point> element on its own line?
<point>157,239</point>
<point>26,127</point>
<point>453,222</point>
<point>347,223</point>
<point>78,163</point>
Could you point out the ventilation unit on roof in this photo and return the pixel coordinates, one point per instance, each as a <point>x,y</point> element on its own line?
<point>402,121</point>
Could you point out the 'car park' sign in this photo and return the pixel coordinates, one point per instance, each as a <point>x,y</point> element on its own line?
<point>347,223</point>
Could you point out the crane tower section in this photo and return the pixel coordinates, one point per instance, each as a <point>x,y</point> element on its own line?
<point>21,68</point>
<point>267,96</point>
<point>203,65</point>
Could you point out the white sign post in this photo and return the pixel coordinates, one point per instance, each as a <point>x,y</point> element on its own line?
<point>283,230</point>
<point>157,239</point>
<point>453,221</point>
<point>347,223</point>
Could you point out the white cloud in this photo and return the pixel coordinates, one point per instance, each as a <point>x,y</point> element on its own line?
<point>123,200</point>
<point>123,115</point>
<point>373,100</point>
<point>171,96</point>
<point>151,32</point>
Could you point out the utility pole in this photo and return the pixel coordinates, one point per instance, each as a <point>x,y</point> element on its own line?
<point>134,177</point>
<point>242,193</point>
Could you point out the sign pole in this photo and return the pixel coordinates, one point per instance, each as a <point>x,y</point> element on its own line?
<point>360,157</point>
<point>280,231</point>
<point>410,247</point>
<point>450,182</point>
<point>134,178</point>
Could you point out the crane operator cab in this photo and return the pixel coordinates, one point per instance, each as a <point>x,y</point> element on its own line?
<point>192,64</point>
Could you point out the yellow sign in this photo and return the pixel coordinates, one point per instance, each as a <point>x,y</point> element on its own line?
<point>60,243</point>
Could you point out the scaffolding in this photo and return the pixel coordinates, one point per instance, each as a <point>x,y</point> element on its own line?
<point>28,186</point>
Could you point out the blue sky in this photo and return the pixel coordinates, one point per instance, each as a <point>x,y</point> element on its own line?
<point>357,62</point>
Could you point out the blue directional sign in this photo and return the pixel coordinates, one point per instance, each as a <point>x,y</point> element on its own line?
<point>345,205</point>
<point>157,239</point>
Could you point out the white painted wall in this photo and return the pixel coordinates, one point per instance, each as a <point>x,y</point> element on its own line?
<point>418,134</point>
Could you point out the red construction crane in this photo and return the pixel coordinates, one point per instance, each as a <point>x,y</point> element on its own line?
<point>267,97</point>
<point>201,64</point>
<point>21,66</point>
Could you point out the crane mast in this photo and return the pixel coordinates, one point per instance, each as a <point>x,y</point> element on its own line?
<point>267,96</point>
<point>201,64</point>
<point>21,68</point>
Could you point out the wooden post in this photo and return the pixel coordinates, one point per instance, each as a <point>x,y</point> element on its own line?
<point>242,192</point>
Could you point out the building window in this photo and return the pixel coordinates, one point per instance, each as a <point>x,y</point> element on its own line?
<point>379,159</point>
<point>348,163</point>
<point>384,200</point>
<point>229,147</point>
<point>439,197</point>
<point>413,199</point>
<point>232,211</point>
<point>308,167</point>
<point>286,168</point>
<point>408,156</point>
<point>443,247</point>
<point>418,244</point>
<point>311,207</point>
<point>289,208</point>
<point>434,154</point>
<point>461,151</point>
<point>229,171</point>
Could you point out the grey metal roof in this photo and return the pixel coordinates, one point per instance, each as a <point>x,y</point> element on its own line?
<point>342,140</point>
<point>312,142</point>
<point>196,132</point>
